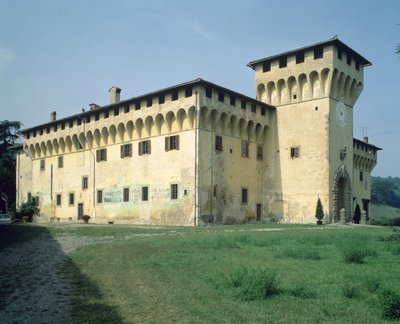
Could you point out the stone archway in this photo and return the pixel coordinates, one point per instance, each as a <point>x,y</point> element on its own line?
<point>341,194</point>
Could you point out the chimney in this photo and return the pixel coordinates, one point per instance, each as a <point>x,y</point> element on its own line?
<point>366,139</point>
<point>114,95</point>
<point>93,106</point>
<point>53,116</point>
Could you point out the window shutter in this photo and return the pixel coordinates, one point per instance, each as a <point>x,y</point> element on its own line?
<point>140,150</point>
<point>167,140</point>
<point>122,152</point>
<point>105,154</point>
<point>129,149</point>
<point>97,155</point>
<point>177,142</point>
<point>148,147</point>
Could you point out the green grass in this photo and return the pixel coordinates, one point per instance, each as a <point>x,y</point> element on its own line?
<point>384,215</point>
<point>235,274</point>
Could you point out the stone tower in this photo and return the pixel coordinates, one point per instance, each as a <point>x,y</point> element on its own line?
<point>314,89</point>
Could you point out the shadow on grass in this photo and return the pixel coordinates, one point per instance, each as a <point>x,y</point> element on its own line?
<point>40,284</point>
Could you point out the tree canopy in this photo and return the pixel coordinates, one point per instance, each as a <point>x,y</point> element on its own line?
<point>386,191</point>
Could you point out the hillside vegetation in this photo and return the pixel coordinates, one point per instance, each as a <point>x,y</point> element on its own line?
<point>385,208</point>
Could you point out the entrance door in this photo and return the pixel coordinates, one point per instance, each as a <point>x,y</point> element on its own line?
<point>258,214</point>
<point>80,211</point>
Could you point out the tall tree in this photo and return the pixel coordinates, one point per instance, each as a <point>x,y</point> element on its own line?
<point>9,134</point>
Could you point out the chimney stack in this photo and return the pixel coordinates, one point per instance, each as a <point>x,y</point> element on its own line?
<point>366,139</point>
<point>53,116</point>
<point>114,95</point>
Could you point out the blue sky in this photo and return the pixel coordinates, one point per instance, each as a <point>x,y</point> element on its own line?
<point>63,55</point>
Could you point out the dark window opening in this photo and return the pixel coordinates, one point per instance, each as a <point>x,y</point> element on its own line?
<point>71,199</point>
<point>339,53</point>
<point>149,102</point>
<point>126,150</point>
<point>126,194</point>
<point>260,152</point>
<point>79,123</point>
<point>318,53</point>
<point>42,164</point>
<point>126,109</point>
<point>245,197</point>
<point>58,200</point>
<point>144,147</point>
<point>208,92</point>
<point>96,116</point>
<point>300,58</point>
<point>218,143</point>
<point>174,191</point>
<point>253,108</point>
<point>145,193</point>
<point>282,62</point>
<point>348,59</point>
<point>137,105</point>
<point>106,114</point>
<point>99,196</point>
<point>361,176</point>
<point>221,96</point>
<point>101,155</point>
<point>61,161</point>
<point>172,143</point>
<point>71,123</point>
<point>245,149</point>
<point>357,65</point>
<point>243,104</point>
<point>41,132</point>
<point>266,66</point>
<point>87,119</point>
<point>116,111</point>
<point>85,184</point>
<point>262,111</point>
<point>161,99</point>
<point>188,92</point>
<point>175,95</point>
<point>233,100</point>
<point>294,152</point>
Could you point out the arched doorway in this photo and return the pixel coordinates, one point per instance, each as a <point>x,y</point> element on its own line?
<point>341,194</point>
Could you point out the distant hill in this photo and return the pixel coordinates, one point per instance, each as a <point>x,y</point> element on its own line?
<point>385,195</point>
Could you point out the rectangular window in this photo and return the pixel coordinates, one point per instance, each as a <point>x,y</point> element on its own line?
<point>172,143</point>
<point>42,164</point>
<point>221,96</point>
<point>126,194</point>
<point>101,155</point>
<point>300,58</point>
<point>126,150</point>
<point>339,53</point>
<point>357,65</point>
<point>262,111</point>
<point>361,176</point>
<point>87,119</point>
<point>174,191</point>
<point>145,193</point>
<point>84,182</point>
<point>62,127</point>
<point>245,196</point>
<point>99,196</point>
<point>175,95</point>
<point>71,124</point>
<point>144,147</point>
<point>79,123</point>
<point>106,114</point>
<point>55,128</point>
<point>232,100</point>
<point>260,152</point>
<point>161,99</point>
<point>243,104</point>
<point>208,92</point>
<point>294,152</point>
<point>71,198</point>
<point>266,66</point>
<point>218,143</point>
<point>188,92</point>
<point>41,132</point>
<point>137,105</point>
<point>318,53</point>
<point>245,149</point>
<point>126,109</point>
<point>58,200</point>
<point>96,116</point>
<point>116,111</point>
<point>149,102</point>
<point>61,161</point>
<point>282,62</point>
<point>348,59</point>
<point>253,108</point>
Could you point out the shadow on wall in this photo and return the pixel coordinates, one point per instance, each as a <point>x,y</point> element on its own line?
<point>39,283</point>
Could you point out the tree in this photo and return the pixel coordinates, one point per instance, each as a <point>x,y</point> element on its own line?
<point>9,134</point>
<point>319,212</point>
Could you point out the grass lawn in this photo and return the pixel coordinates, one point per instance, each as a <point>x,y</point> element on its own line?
<point>235,274</point>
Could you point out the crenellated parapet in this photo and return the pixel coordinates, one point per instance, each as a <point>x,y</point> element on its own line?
<point>364,155</point>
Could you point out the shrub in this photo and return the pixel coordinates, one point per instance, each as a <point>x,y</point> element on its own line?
<point>86,218</point>
<point>357,214</point>
<point>357,254</point>
<point>319,212</point>
<point>383,221</point>
<point>254,283</point>
<point>29,209</point>
<point>394,237</point>
<point>390,302</point>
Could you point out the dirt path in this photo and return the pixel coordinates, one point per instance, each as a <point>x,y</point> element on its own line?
<point>33,287</point>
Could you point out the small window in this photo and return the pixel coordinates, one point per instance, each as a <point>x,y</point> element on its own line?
<point>260,152</point>
<point>218,143</point>
<point>144,147</point>
<point>41,132</point>
<point>61,161</point>
<point>318,53</point>
<point>243,104</point>
<point>161,99</point>
<point>99,196</point>
<point>294,152</point>
<point>245,196</point>
<point>116,111</point>
<point>348,59</point>
<point>84,182</point>
<point>149,102</point>
<point>262,111</point>
<point>357,65</point>
<point>62,127</point>
<point>79,123</point>
<point>71,198</point>
<point>215,190</point>
<point>87,119</point>
<point>221,96</point>
<point>28,136</point>
<point>253,108</point>
<point>106,114</point>
<point>174,191</point>
<point>282,62</point>
<point>71,124</point>
<point>172,143</point>
<point>300,58</point>
<point>175,95</point>
<point>101,155</point>
<point>126,109</point>
<point>145,193</point>
<point>55,128</point>
<point>188,92</point>
<point>34,133</point>
<point>232,100</point>
<point>266,66</point>
<point>58,200</point>
<point>245,149</point>
<point>42,164</point>
<point>126,150</point>
<point>126,194</point>
<point>339,53</point>
<point>137,105</point>
<point>208,92</point>
<point>96,116</point>
<point>361,176</point>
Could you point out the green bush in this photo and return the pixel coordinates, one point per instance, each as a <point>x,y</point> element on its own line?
<point>357,254</point>
<point>383,221</point>
<point>390,302</point>
<point>253,283</point>
<point>394,237</point>
<point>319,212</point>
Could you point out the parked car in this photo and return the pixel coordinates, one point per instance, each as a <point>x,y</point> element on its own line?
<point>5,219</point>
